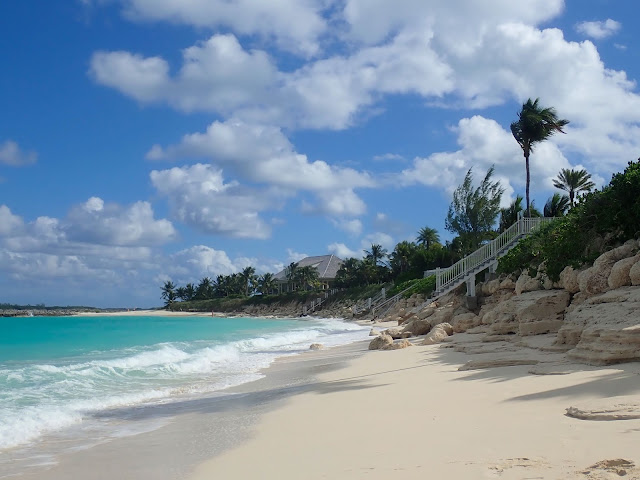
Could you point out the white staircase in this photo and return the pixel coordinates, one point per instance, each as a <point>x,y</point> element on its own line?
<point>487,256</point>
<point>465,270</point>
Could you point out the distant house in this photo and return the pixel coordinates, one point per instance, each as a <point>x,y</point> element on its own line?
<point>327,266</point>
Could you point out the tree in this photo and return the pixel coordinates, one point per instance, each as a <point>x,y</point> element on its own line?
<point>556,206</point>
<point>204,290</point>
<point>189,291</point>
<point>428,236</point>
<point>248,279</point>
<point>473,212</point>
<point>509,215</point>
<point>573,181</point>
<point>400,258</point>
<point>292,273</point>
<point>168,293</point>
<point>535,124</point>
<point>376,254</point>
<point>307,276</point>
<point>266,284</point>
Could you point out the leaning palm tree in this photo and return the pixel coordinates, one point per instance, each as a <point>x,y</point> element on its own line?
<point>535,124</point>
<point>573,181</point>
<point>556,206</point>
<point>428,236</point>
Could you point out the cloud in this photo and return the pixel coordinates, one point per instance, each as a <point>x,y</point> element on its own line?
<point>199,261</point>
<point>388,156</point>
<point>493,54</point>
<point>109,251</point>
<point>199,197</point>
<point>294,25</point>
<point>216,75</point>
<point>458,24</point>
<point>352,227</point>
<point>11,154</point>
<point>10,224</point>
<point>111,224</point>
<point>262,154</point>
<point>599,29</point>
<point>342,251</point>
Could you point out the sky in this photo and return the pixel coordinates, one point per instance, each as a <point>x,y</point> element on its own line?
<point>151,140</point>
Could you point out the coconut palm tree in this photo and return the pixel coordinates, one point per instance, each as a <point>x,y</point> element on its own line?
<point>204,290</point>
<point>292,274</point>
<point>573,181</point>
<point>307,276</point>
<point>401,256</point>
<point>248,279</point>
<point>556,206</point>
<point>168,293</point>
<point>535,124</point>
<point>376,254</point>
<point>509,215</point>
<point>427,237</point>
<point>266,283</point>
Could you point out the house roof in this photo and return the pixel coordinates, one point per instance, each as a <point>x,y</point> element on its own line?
<point>327,266</point>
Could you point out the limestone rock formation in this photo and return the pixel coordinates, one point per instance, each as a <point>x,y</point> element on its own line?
<point>612,408</point>
<point>464,321</point>
<point>619,276</point>
<point>397,333</point>
<point>634,274</point>
<point>398,345</point>
<point>530,313</point>
<point>605,328</point>
<point>569,280</point>
<point>527,284</point>
<point>595,279</point>
<point>438,334</point>
<point>374,333</point>
<point>380,342</point>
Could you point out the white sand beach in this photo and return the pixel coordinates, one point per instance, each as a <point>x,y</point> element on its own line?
<point>410,414</point>
<point>350,413</point>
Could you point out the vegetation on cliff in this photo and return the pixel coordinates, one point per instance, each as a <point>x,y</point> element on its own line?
<point>600,220</point>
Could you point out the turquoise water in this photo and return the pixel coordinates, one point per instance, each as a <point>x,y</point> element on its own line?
<point>60,372</point>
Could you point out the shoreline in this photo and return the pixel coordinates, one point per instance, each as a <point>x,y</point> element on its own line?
<point>346,412</point>
<point>416,413</point>
<point>233,410</point>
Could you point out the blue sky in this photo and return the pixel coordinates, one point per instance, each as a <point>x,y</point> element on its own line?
<point>147,140</point>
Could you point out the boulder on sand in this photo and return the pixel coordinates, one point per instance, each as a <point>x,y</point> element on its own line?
<point>380,342</point>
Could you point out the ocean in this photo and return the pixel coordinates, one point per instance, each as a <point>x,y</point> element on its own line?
<point>60,376</point>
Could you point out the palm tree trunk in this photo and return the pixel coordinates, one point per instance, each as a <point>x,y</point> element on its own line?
<point>526,159</point>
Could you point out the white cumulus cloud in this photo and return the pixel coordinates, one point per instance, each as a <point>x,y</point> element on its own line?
<point>599,29</point>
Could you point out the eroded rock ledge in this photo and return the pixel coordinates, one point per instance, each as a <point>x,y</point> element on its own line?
<point>593,313</point>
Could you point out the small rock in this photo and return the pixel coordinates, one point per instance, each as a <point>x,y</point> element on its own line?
<point>316,346</point>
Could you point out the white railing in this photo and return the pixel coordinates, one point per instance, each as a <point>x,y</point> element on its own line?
<point>456,273</point>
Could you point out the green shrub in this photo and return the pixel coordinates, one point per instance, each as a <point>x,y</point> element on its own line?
<point>423,286</point>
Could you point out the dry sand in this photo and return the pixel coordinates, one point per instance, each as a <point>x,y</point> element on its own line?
<point>411,414</point>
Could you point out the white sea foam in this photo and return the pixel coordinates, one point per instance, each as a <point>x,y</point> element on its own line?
<point>38,398</point>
